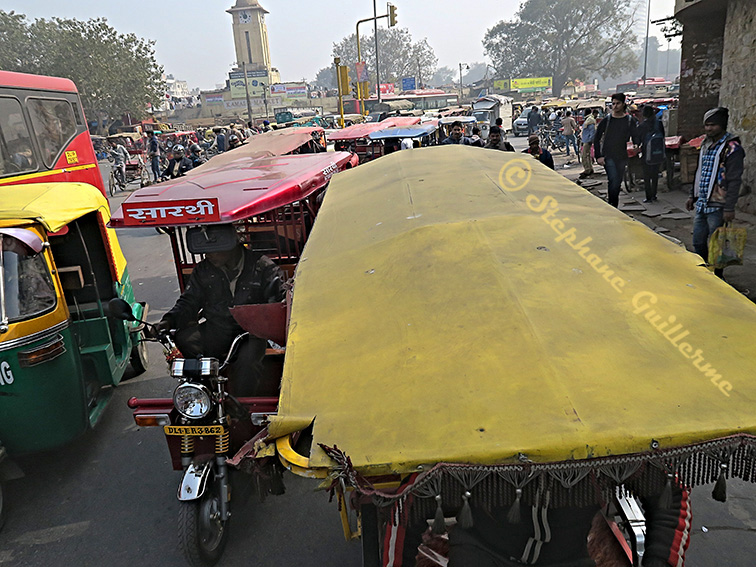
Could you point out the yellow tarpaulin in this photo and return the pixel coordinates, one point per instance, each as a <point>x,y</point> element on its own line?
<point>57,204</point>
<point>455,304</point>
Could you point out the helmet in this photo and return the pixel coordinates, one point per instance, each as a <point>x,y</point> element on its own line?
<point>233,141</point>
<point>178,151</point>
<point>195,149</point>
<point>266,122</point>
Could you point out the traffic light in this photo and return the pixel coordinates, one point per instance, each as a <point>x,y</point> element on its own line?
<point>365,90</point>
<point>343,80</point>
<point>356,90</point>
<point>392,15</point>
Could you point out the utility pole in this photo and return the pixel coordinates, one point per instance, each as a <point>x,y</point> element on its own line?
<point>460,80</point>
<point>645,61</point>
<point>377,72</point>
<point>246,91</point>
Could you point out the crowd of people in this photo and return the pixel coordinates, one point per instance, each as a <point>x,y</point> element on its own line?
<point>173,154</point>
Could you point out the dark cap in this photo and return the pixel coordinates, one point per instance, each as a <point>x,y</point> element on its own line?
<point>719,115</point>
<point>211,238</point>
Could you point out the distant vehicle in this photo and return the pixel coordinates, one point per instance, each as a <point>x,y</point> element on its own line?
<point>651,85</point>
<point>383,110</point>
<point>488,108</point>
<point>43,132</point>
<point>520,126</point>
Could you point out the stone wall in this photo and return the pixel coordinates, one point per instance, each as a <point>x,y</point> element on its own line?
<point>701,69</point>
<point>738,91</point>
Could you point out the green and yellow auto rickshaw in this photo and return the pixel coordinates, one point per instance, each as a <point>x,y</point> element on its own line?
<point>60,352</point>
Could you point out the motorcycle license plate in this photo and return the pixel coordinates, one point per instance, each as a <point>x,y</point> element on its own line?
<point>193,429</point>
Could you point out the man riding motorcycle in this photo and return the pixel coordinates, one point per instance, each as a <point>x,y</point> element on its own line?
<point>233,141</point>
<point>229,275</point>
<point>195,154</point>
<point>178,165</point>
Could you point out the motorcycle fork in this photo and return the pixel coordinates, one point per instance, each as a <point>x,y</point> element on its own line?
<point>221,451</point>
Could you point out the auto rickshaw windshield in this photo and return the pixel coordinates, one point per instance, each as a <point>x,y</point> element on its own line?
<point>26,288</point>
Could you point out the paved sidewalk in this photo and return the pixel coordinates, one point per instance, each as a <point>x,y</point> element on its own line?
<point>668,216</point>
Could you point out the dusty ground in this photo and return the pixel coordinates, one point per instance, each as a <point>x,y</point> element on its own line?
<point>668,216</point>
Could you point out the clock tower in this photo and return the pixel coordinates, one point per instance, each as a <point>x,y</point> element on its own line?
<point>250,35</point>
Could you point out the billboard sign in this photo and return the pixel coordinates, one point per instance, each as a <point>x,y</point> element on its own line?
<point>501,85</point>
<point>362,73</point>
<point>409,84</point>
<point>255,81</point>
<point>387,88</point>
<point>532,83</point>
<point>289,90</point>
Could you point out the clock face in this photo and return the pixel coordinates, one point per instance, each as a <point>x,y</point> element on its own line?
<point>245,17</point>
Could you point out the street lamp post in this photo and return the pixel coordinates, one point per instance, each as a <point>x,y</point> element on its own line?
<point>265,98</point>
<point>645,57</point>
<point>467,67</point>
<point>377,72</point>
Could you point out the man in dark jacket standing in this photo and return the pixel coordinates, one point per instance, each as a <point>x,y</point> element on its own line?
<point>717,186</point>
<point>229,275</point>
<point>534,120</point>
<point>610,144</point>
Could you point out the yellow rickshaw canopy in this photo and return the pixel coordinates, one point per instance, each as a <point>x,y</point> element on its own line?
<point>54,205</point>
<point>463,305</point>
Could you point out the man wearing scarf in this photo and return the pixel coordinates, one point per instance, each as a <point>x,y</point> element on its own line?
<point>720,171</point>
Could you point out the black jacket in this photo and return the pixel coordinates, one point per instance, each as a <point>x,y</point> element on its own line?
<point>612,136</point>
<point>177,169</point>
<point>208,293</point>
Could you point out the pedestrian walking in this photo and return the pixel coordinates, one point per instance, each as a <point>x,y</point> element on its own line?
<point>587,135</point>
<point>534,120</point>
<point>153,150</point>
<point>495,141</point>
<point>570,133</point>
<point>610,144</point>
<point>720,173</point>
<point>651,134</point>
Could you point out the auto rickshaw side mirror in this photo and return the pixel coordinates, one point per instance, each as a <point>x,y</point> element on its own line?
<point>120,309</point>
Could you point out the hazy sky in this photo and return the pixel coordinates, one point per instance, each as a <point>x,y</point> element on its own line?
<point>194,40</point>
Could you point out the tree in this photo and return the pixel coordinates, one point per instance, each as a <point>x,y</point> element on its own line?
<point>565,39</point>
<point>326,78</point>
<point>399,56</point>
<point>115,73</point>
<point>444,76</point>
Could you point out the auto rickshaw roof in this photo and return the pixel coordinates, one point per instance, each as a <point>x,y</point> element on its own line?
<point>359,131</point>
<point>406,132</point>
<point>135,136</point>
<point>452,119</point>
<point>466,305</point>
<point>236,190</point>
<point>52,204</point>
<point>267,144</point>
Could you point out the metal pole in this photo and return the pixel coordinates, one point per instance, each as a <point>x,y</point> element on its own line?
<point>246,90</point>
<point>377,72</point>
<point>419,75</point>
<point>265,99</point>
<point>359,58</point>
<point>648,24</point>
<point>460,83</point>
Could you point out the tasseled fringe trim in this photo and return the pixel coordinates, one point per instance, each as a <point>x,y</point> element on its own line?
<point>455,487</point>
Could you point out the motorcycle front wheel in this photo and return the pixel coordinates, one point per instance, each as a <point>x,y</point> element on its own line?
<point>202,534</point>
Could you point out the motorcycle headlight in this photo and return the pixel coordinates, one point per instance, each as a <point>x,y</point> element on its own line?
<point>192,400</point>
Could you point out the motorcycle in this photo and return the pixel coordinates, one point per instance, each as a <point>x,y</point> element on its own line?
<point>205,426</point>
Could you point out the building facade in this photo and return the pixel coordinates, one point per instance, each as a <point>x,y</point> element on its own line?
<point>718,50</point>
